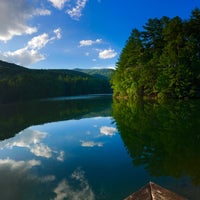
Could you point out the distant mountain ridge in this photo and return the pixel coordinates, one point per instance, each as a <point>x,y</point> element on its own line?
<point>10,68</point>
<point>103,73</point>
<point>18,83</point>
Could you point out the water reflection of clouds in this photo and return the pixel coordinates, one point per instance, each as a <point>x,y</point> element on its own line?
<point>25,138</point>
<point>91,144</point>
<point>22,167</point>
<point>105,130</point>
<point>18,180</point>
<point>60,156</point>
<point>108,131</point>
<point>41,144</point>
<point>18,166</point>
<point>32,140</point>
<point>45,179</point>
<point>41,150</point>
<point>65,190</point>
<point>17,175</point>
<point>91,137</point>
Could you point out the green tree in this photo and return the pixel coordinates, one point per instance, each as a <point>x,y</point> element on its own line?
<point>162,61</point>
<point>124,82</point>
<point>174,62</point>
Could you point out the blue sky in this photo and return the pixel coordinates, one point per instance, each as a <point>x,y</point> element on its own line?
<point>68,34</point>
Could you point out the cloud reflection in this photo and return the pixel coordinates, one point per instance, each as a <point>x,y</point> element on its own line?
<point>19,180</point>
<point>25,138</point>
<point>41,150</point>
<point>19,166</point>
<point>108,131</point>
<point>32,140</point>
<point>65,190</point>
<point>61,156</point>
<point>91,144</point>
<point>44,179</point>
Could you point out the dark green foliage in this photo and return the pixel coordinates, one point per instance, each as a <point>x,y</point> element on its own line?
<point>163,137</point>
<point>18,83</point>
<point>161,61</point>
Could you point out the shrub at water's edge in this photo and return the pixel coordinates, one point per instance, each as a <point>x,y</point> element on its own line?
<point>162,61</point>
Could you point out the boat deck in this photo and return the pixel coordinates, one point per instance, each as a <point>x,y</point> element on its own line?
<point>152,191</point>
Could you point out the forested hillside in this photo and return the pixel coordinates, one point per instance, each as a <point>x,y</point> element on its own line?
<point>18,83</point>
<point>99,73</point>
<point>162,60</point>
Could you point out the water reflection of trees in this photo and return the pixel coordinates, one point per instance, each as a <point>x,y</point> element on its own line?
<point>16,117</point>
<point>164,137</point>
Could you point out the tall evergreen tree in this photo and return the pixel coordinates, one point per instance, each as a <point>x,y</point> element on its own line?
<point>161,61</point>
<point>128,66</point>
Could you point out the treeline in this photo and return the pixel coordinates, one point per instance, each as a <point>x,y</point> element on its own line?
<point>99,73</point>
<point>18,83</point>
<point>162,61</point>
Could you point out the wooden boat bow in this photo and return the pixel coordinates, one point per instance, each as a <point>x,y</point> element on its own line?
<point>152,191</point>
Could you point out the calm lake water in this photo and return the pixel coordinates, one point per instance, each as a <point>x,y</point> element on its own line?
<point>90,148</point>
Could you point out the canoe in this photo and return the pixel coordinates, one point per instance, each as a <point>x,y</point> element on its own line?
<point>152,191</point>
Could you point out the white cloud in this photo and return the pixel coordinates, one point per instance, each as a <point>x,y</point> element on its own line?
<point>86,43</point>
<point>107,53</point>
<point>58,33</point>
<point>14,16</point>
<point>42,12</point>
<point>39,41</point>
<point>76,12</point>
<point>91,144</point>
<point>65,190</point>
<point>108,131</point>
<point>30,53</point>
<point>58,3</point>
<point>23,56</point>
<point>20,166</point>
<point>89,42</point>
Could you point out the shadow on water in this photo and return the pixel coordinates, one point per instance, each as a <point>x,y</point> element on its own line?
<point>163,137</point>
<point>17,117</point>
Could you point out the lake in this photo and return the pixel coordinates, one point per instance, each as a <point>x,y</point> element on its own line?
<point>93,148</point>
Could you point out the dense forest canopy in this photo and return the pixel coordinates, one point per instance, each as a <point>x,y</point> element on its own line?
<point>162,61</point>
<point>19,83</point>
